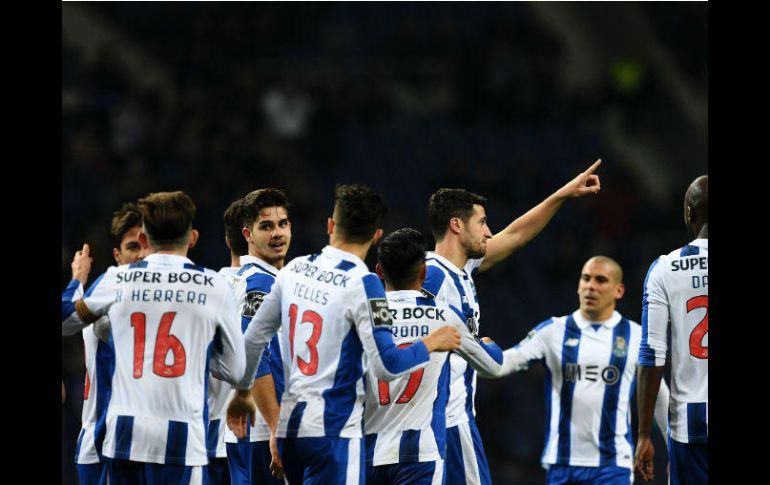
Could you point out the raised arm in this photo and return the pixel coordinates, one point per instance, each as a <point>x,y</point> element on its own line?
<point>526,227</point>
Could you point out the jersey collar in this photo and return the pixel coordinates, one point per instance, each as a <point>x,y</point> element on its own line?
<point>339,253</point>
<point>167,259</point>
<point>582,323</point>
<point>701,243</point>
<point>449,265</point>
<point>403,295</point>
<point>248,258</point>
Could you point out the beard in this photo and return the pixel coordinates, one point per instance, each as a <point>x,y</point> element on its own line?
<point>474,251</point>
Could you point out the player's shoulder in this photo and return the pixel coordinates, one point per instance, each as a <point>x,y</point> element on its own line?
<point>551,324</point>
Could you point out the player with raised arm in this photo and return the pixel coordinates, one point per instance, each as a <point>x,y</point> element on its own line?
<point>218,470</point>
<point>166,316</point>
<point>266,229</point>
<point>590,358</point>
<point>405,420</point>
<point>676,291</point>
<point>91,463</point>
<point>465,245</point>
<point>331,311</point>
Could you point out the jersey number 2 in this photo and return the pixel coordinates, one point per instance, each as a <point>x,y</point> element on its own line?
<point>415,378</point>
<point>697,349</point>
<point>163,343</point>
<point>308,316</point>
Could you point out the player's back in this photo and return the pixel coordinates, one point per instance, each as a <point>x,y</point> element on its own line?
<point>165,316</point>
<point>676,289</point>
<point>412,408</point>
<point>406,418</point>
<point>320,349</point>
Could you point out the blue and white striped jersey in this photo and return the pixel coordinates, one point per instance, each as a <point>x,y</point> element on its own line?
<point>589,381</point>
<point>405,420</point>
<point>252,283</point>
<point>330,311</point>
<point>100,364</point>
<point>454,286</point>
<point>167,316</point>
<point>676,290</point>
<point>219,395</point>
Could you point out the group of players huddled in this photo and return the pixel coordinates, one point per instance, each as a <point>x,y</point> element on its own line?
<point>318,371</point>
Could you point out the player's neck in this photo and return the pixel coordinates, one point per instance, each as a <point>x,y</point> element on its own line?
<point>416,286</point>
<point>277,264</point>
<point>235,261</point>
<point>451,249</point>
<point>703,233</point>
<point>176,252</point>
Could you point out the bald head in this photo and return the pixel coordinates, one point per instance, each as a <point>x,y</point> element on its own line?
<point>615,270</point>
<point>696,205</point>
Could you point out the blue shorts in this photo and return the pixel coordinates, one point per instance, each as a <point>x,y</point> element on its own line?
<point>323,461</point>
<point>466,463</point>
<point>124,472</point>
<point>689,462</point>
<point>587,475</point>
<point>92,474</point>
<point>250,463</point>
<point>425,473</point>
<point>217,472</point>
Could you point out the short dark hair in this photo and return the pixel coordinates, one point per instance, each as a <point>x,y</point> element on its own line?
<point>400,254</point>
<point>123,220</point>
<point>257,200</point>
<point>358,211</point>
<point>167,217</point>
<point>234,228</point>
<point>445,204</point>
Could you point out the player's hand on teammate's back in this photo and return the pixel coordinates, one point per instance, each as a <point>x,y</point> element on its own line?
<point>644,463</point>
<point>585,183</point>
<point>442,339</point>
<point>81,264</point>
<point>241,407</point>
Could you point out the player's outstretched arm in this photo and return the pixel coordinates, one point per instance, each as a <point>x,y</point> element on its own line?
<point>229,363</point>
<point>240,409</point>
<point>482,354</point>
<point>648,381</point>
<point>517,358</point>
<point>526,227</point>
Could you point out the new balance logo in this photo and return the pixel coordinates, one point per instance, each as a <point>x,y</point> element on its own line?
<point>571,342</point>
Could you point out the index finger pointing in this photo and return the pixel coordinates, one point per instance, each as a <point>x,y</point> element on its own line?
<point>593,167</point>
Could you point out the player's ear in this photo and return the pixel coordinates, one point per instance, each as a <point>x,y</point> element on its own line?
<point>116,255</point>
<point>378,270</point>
<point>193,239</point>
<point>455,225</point>
<point>377,235</point>
<point>143,241</point>
<point>329,226</point>
<point>423,272</point>
<point>620,290</point>
<point>246,234</point>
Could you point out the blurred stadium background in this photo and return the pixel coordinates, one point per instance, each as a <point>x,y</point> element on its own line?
<point>509,100</point>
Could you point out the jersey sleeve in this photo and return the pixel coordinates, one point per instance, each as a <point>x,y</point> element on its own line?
<point>78,313</point>
<point>653,347</point>
<point>264,324</point>
<point>434,280</point>
<point>229,361</point>
<point>371,317</point>
<point>485,358</point>
<point>532,348</point>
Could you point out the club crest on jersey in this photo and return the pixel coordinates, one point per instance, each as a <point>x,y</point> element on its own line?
<point>253,301</point>
<point>620,349</point>
<point>472,327</point>
<point>378,310</point>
